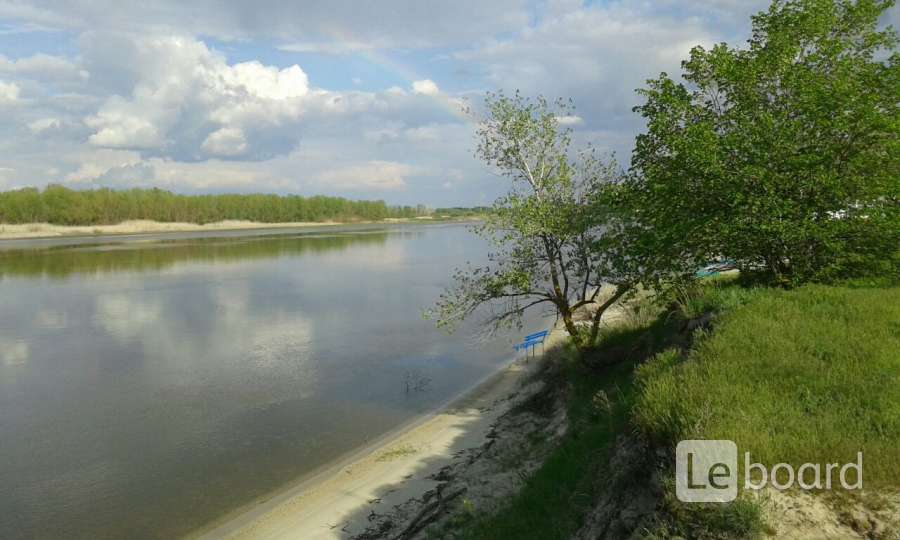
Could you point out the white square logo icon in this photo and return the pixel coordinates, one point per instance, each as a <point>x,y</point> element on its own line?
<point>706,471</point>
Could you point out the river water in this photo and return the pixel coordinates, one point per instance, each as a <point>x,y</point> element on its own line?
<point>151,385</point>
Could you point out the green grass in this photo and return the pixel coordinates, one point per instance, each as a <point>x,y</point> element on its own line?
<point>553,502</point>
<point>709,295</point>
<point>740,519</point>
<point>807,375</point>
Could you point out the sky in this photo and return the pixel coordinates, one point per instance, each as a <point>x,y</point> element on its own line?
<point>359,99</point>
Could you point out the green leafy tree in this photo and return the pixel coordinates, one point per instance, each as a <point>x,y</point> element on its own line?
<point>63,206</point>
<point>546,232</point>
<point>782,156</point>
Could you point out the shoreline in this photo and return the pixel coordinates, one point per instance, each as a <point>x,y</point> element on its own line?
<point>40,231</point>
<point>326,503</point>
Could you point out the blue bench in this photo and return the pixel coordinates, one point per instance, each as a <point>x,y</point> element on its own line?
<point>532,340</point>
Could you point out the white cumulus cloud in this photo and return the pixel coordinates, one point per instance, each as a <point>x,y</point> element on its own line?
<point>43,66</point>
<point>44,124</point>
<point>369,176</point>
<point>187,101</point>
<point>9,92</point>
<point>225,142</point>
<point>570,120</point>
<point>426,87</point>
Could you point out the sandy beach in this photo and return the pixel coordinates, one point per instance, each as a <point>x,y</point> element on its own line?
<point>47,230</point>
<point>399,467</point>
<point>393,478</point>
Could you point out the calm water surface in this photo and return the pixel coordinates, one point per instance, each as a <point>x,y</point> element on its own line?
<point>148,387</point>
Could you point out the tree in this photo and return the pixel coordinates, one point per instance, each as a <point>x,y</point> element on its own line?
<point>783,156</point>
<point>546,231</point>
<point>63,206</point>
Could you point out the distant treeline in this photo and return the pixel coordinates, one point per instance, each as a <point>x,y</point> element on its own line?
<point>461,211</point>
<point>62,206</point>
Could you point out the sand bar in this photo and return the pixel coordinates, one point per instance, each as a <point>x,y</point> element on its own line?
<point>47,230</point>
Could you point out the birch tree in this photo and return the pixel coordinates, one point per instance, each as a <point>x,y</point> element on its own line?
<point>551,233</point>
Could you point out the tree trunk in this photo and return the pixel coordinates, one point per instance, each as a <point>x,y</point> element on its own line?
<point>572,329</point>
<point>601,309</point>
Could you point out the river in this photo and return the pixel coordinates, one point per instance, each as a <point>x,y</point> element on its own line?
<point>152,384</point>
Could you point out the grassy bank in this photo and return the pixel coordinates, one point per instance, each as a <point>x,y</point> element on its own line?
<point>807,375</point>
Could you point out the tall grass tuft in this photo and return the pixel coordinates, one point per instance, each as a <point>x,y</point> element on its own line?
<point>695,298</point>
<point>809,375</point>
